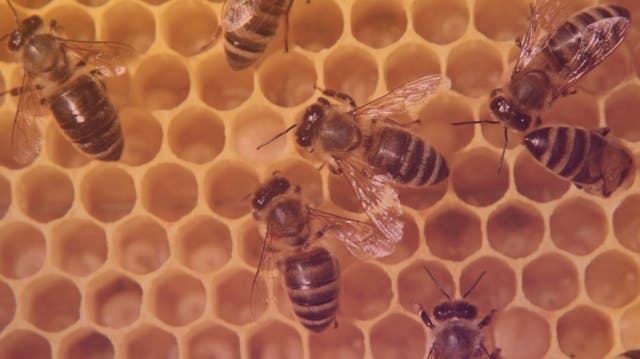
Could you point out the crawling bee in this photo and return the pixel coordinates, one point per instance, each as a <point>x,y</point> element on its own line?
<point>66,76</point>
<point>592,160</point>
<point>556,51</point>
<point>459,337</point>
<point>373,151</point>
<point>309,270</point>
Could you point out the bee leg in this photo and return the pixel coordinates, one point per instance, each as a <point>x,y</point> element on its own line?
<point>493,355</point>
<point>335,321</point>
<point>16,91</point>
<point>286,26</point>
<point>603,131</point>
<point>335,170</point>
<point>484,322</point>
<point>425,317</point>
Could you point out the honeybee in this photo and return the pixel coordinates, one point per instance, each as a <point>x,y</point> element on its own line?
<point>67,76</point>
<point>308,269</point>
<point>459,337</point>
<point>592,161</point>
<point>373,151</point>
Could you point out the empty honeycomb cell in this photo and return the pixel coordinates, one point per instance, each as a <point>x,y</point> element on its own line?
<point>346,341</point>
<point>117,25</point>
<point>341,194</point>
<point>579,109</point>
<point>306,176</point>
<point>196,135</point>
<point>87,344</point>
<point>7,305</point>
<point>162,81</point>
<point>585,332</point>
<point>113,300</point>
<point>535,181</point>
<point>440,21</point>
<point>149,341</point>
<point>73,22</point>
<point>60,150</point>
<point>5,196</point>
<point>474,67</point>
<point>142,135</point>
<point>422,197</point>
<point>378,23</point>
<point>108,193</point>
<point>364,299</point>
<point>22,250</point>
<point>522,334</point>
<point>169,191</point>
<point>7,25</point>
<point>497,288</point>
<point>251,243</point>
<point>416,287</point>
<point>92,2</point>
<point>352,71</point>
<point>220,87</point>
<point>629,324</point>
<point>507,24</point>
<point>515,229</point>
<point>188,26</point>
<point>177,298</point>
<point>203,244</point>
<point>626,223</point>
<point>78,246</point>
<point>578,226</point>
<point>409,243</point>
<point>474,178</point>
<point>275,340</point>
<point>611,72</point>
<point>453,233</point>
<point>229,187</point>
<point>52,302</point>
<point>435,123</point>
<point>313,32</point>
<point>141,245</point>
<point>44,193</point>
<point>393,329</point>
<point>32,4</point>
<point>287,79</point>
<point>23,344</point>
<point>618,107</point>
<point>409,62</point>
<point>254,126</point>
<point>119,87</point>
<point>550,281</point>
<point>612,279</point>
<point>213,341</point>
<point>233,300</point>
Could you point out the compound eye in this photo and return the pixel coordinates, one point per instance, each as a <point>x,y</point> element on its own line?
<point>522,121</point>
<point>15,41</point>
<point>499,105</point>
<point>443,311</point>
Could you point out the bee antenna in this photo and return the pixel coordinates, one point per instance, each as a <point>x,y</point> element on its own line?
<point>277,136</point>
<point>15,13</point>
<point>504,150</point>
<point>433,278</point>
<point>473,122</point>
<point>474,284</point>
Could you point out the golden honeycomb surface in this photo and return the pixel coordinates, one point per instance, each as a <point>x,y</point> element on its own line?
<point>153,256</point>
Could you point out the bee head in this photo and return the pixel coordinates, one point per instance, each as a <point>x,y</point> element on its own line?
<point>504,111</point>
<point>25,30</point>
<point>464,310</point>
<point>310,125</point>
<point>443,311</point>
<point>275,187</point>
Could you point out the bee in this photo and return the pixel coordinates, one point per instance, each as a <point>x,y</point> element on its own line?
<point>555,53</point>
<point>371,150</point>
<point>459,337</point>
<point>309,270</point>
<point>67,77</point>
<point>592,161</point>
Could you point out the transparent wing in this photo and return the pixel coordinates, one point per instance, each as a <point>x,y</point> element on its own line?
<point>599,40</point>
<point>400,100</point>
<point>25,134</point>
<point>377,197</point>
<point>263,279</point>
<point>546,16</point>
<point>362,239</point>
<point>109,57</point>
<point>236,13</point>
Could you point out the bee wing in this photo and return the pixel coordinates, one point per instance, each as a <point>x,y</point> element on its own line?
<point>236,13</point>
<point>402,98</point>
<point>598,41</point>
<point>107,56</point>
<point>546,16</point>
<point>259,293</point>
<point>362,239</point>
<point>378,199</point>
<point>25,134</point>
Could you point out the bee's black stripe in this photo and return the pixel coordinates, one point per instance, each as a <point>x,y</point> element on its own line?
<point>577,155</point>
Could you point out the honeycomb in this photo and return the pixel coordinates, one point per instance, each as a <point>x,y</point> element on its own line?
<point>153,256</point>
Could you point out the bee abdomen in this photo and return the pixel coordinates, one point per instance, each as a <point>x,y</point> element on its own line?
<point>407,158</point>
<point>312,284</point>
<point>566,40</point>
<point>88,118</point>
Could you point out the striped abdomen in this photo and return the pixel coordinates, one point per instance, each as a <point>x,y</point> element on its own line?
<point>244,45</point>
<point>311,278</point>
<point>88,118</point>
<point>406,157</point>
<point>611,24</point>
